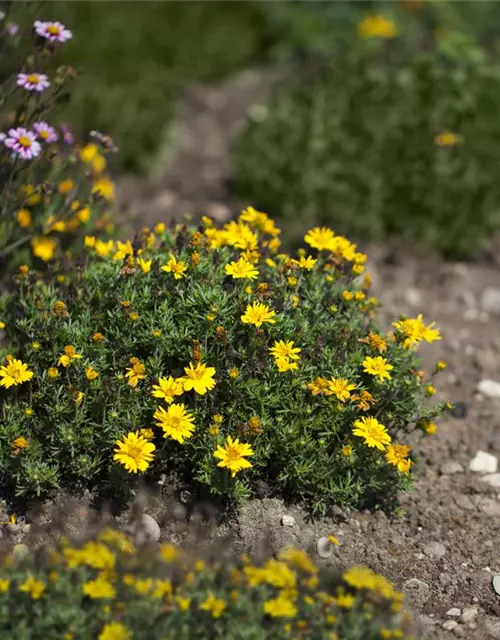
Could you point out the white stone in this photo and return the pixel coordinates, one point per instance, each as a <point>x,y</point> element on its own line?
<point>484,462</point>
<point>489,388</point>
<point>496,584</point>
<point>288,521</point>
<point>490,301</point>
<point>324,547</point>
<point>454,612</point>
<point>493,479</point>
<point>451,467</point>
<point>147,530</point>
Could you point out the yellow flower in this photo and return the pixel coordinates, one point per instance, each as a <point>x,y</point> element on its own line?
<point>280,607</point>
<point>43,248</point>
<point>91,374</point>
<point>345,601</point>
<point>282,349</point>
<point>257,314</point>
<point>167,389</point>
<point>115,631</point>
<point>318,387</point>
<point>333,540</point>
<point>65,186</point>
<point>84,215</point>
<point>447,139</point>
<point>97,338</point>
<point>234,373</point>
<point>136,372</point>
<point>241,269</point>
<point>103,249</point>
<point>214,605</point>
<point>105,188</point>
<point>98,589</point>
<point>340,388</point>
<point>319,238</point>
<point>34,588</point>
<point>20,443</point>
<point>430,428</point>
<point>88,153</point>
<point>145,265</point>
<point>24,218</point>
<point>305,263</point>
<point>183,603</point>
<point>285,365</point>
<point>441,365</point>
<point>176,422</point>
<point>232,455</point>
<point>378,367</point>
<point>430,390</point>
<point>376,342</point>
<point>373,432</point>
<point>198,377</point>
<point>69,355</point>
<point>4,586</point>
<point>177,268</point>
<point>347,451</point>
<point>397,455</point>
<point>29,192</point>
<point>415,331</point>
<point>134,452</point>
<point>364,400</point>
<point>124,249</point>
<point>377,27</point>
<point>14,372</point>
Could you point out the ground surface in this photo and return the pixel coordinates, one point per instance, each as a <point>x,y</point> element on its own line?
<point>445,548</point>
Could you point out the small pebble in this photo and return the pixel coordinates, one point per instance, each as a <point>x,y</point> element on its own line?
<point>469,614</point>
<point>324,547</point>
<point>449,625</point>
<point>147,529</point>
<point>489,506</point>
<point>459,410</point>
<point>12,528</point>
<point>493,479</point>
<point>435,550</point>
<point>451,467</point>
<point>484,462</point>
<point>490,301</point>
<point>492,626</point>
<point>288,521</point>
<point>489,388</point>
<point>417,592</point>
<point>454,612</point>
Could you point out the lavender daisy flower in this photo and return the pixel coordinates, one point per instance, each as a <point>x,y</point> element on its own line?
<point>53,31</point>
<point>12,28</point>
<point>33,81</point>
<point>67,134</point>
<point>23,142</point>
<point>45,132</point>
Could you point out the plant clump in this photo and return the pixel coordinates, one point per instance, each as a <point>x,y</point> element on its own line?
<point>108,588</point>
<point>382,142</point>
<point>55,188</point>
<point>207,353</point>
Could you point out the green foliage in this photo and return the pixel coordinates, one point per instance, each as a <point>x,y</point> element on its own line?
<point>60,190</point>
<point>109,589</point>
<point>155,317</point>
<point>355,146</point>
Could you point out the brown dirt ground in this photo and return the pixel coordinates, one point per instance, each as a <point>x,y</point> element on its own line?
<point>459,511</point>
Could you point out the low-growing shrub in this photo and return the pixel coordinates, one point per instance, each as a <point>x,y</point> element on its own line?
<point>54,188</point>
<point>205,353</point>
<point>379,142</point>
<point>109,589</point>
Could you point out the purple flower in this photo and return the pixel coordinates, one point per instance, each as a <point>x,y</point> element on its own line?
<point>33,81</point>
<point>23,142</point>
<point>45,132</point>
<point>68,136</point>
<point>53,31</point>
<point>12,28</point>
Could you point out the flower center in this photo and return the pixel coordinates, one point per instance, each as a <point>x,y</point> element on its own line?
<point>175,423</point>
<point>232,454</point>
<point>43,134</point>
<point>33,78</point>
<point>53,30</point>
<point>25,142</point>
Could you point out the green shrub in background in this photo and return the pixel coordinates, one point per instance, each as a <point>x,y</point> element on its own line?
<point>380,144</point>
<point>204,353</point>
<point>109,589</point>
